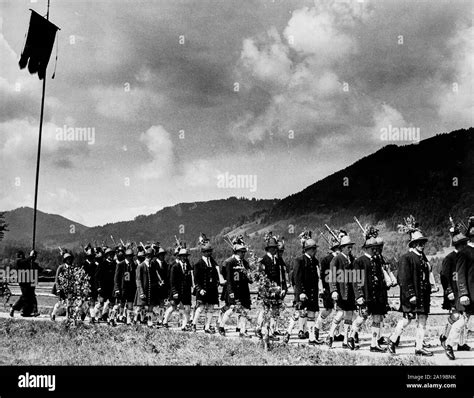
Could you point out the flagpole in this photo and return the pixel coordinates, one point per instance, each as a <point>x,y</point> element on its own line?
<point>38,156</point>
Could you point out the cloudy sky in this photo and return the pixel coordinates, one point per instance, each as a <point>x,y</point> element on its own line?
<point>179,93</point>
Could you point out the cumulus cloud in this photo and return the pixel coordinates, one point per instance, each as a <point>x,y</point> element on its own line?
<point>160,147</point>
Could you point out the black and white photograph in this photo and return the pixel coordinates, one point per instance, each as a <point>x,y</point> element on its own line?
<point>219,196</point>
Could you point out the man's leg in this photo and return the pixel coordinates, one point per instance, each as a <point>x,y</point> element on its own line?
<point>454,336</point>
<point>347,325</point>
<point>197,313</point>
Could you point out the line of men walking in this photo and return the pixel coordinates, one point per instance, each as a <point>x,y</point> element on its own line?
<point>145,288</point>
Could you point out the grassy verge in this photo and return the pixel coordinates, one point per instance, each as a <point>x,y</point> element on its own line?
<point>41,343</point>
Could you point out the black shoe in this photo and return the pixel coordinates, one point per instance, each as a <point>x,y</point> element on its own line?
<point>449,352</point>
<point>339,337</point>
<point>442,340</point>
<point>426,345</point>
<point>286,339</point>
<point>12,313</point>
<point>245,335</point>
<point>53,317</point>
<point>165,325</point>
<point>382,341</point>
<point>329,341</point>
<point>209,331</point>
<point>237,330</point>
<point>377,348</point>
<point>301,335</point>
<point>346,346</point>
<point>306,335</point>
<point>350,343</point>
<point>278,333</point>
<point>397,343</point>
<point>258,333</point>
<point>315,342</point>
<point>222,331</point>
<point>272,337</point>
<point>391,347</point>
<point>423,353</point>
<point>464,347</point>
<point>193,328</point>
<point>356,338</point>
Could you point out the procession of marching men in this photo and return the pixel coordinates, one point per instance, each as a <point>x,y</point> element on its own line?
<point>142,287</point>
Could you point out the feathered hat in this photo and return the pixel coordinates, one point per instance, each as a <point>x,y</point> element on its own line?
<point>270,240</point>
<point>371,234</point>
<point>470,227</point>
<point>411,227</point>
<point>306,240</point>
<point>238,243</point>
<point>205,243</point>
<point>457,235</point>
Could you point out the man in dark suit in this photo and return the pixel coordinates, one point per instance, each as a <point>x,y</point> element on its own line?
<point>104,278</point>
<point>465,286</point>
<point>237,292</point>
<point>370,290</point>
<point>163,271</point>
<point>307,288</point>
<point>415,291</point>
<point>206,279</point>
<point>341,287</point>
<point>125,286</point>
<point>451,302</point>
<point>180,288</point>
<point>325,295</point>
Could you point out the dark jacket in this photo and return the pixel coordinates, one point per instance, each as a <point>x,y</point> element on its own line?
<point>372,288</point>
<point>414,280</point>
<point>104,278</point>
<point>306,278</point>
<point>206,278</point>
<point>275,271</point>
<point>343,286</point>
<point>147,281</point>
<point>325,267</point>
<point>237,282</point>
<point>125,281</point>
<point>180,283</point>
<point>448,280</point>
<point>164,271</point>
<point>465,276</point>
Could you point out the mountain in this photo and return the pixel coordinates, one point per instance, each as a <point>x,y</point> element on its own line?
<point>186,220</point>
<point>51,229</point>
<point>430,180</point>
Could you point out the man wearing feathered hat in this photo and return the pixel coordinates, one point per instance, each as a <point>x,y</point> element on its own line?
<point>125,286</point>
<point>206,279</point>
<point>271,266</point>
<point>164,290</point>
<point>237,292</point>
<point>327,301</point>
<point>370,291</point>
<point>307,286</point>
<point>148,283</point>
<point>181,282</point>
<point>451,302</point>
<point>342,291</point>
<point>105,285</point>
<point>465,283</point>
<point>415,287</point>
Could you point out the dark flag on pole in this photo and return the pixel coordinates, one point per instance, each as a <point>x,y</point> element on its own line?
<point>39,44</point>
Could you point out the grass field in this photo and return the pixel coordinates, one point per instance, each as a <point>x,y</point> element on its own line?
<point>45,343</point>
